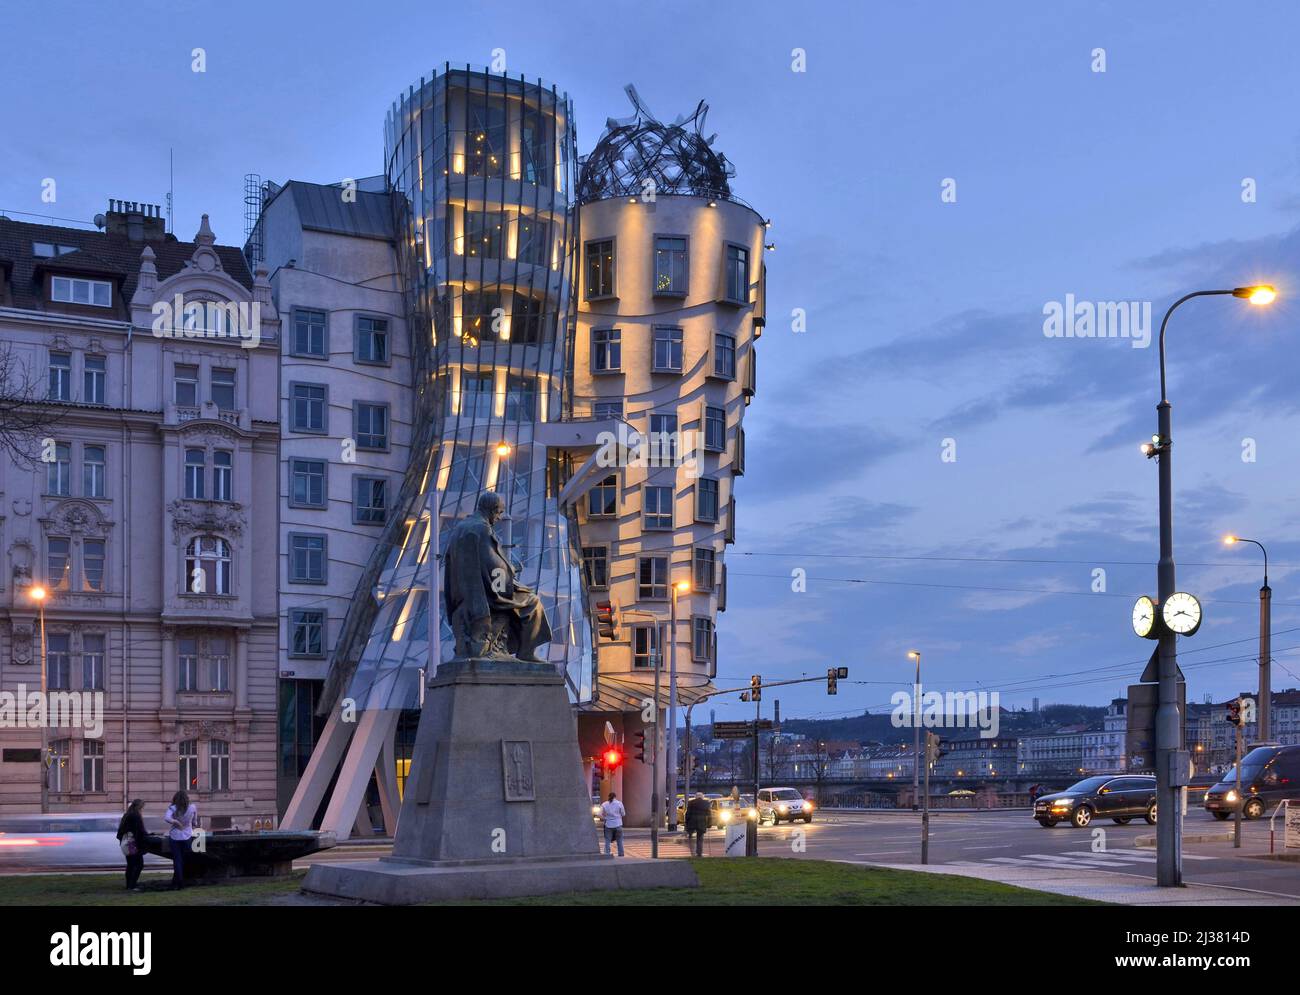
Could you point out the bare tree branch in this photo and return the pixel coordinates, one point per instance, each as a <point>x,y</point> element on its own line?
<point>25,417</point>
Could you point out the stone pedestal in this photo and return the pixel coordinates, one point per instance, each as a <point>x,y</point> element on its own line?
<point>494,805</point>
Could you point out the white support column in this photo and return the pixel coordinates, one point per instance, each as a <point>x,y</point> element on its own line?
<point>386,776</point>
<point>375,727</point>
<point>320,769</point>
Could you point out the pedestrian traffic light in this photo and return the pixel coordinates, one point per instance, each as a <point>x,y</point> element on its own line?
<point>638,742</point>
<point>613,759</point>
<point>932,751</point>
<point>607,620</point>
<point>756,687</point>
<point>1234,712</point>
<point>832,680</point>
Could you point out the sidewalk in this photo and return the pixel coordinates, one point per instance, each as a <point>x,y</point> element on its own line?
<point>1100,886</point>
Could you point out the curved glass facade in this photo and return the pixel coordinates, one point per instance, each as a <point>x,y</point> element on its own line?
<point>482,169</point>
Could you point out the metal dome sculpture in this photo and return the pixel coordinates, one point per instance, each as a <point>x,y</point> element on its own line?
<point>640,154</point>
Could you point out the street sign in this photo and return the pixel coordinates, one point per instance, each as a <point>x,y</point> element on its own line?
<point>1291,827</point>
<point>739,730</point>
<point>735,839</point>
<point>1151,675</point>
<point>1140,739</point>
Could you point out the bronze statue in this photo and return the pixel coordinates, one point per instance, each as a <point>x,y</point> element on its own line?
<point>491,614</point>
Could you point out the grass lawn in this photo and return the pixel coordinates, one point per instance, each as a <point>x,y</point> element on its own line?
<point>722,882</point>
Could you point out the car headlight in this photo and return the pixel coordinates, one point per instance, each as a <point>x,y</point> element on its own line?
<point>1230,797</point>
<point>753,813</point>
<point>595,810</point>
<point>1062,802</point>
<point>725,817</point>
<point>807,806</point>
<point>783,808</point>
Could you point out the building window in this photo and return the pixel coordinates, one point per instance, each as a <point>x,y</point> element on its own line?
<point>670,265</point>
<point>92,471</point>
<point>662,444</point>
<point>658,506</point>
<point>533,241</point>
<point>69,290</point>
<point>58,563</point>
<point>476,392</point>
<point>187,664</point>
<point>93,376</point>
<point>486,145</point>
<point>58,661</point>
<point>60,765</point>
<point>92,766</point>
<point>223,474</point>
<point>600,269</point>
<point>485,234</point>
<point>715,429</point>
<point>60,386</point>
<point>521,398</point>
<point>372,340</point>
<point>307,483</point>
<point>606,350</point>
<point>466,472</point>
<point>595,566</point>
<point>667,349</point>
<point>307,554</point>
<point>602,499</point>
<point>514,473</point>
<point>218,664</point>
<point>58,472</point>
<point>309,333</point>
<point>701,639</point>
<point>370,425</point>
<point>724,356</point>
<point>185,386</point>
<point>218,765</point>
<point>645,645</point>
<point>196,466</point>
<point>188,765</point>
<point>307,637</point>
<point>370,501</point>
<point>706,500</point>
<point>207,566</point>
<point>608,409</point>
<point>527,320</point>
<point>704,568</point>
<point>92,564</point>
<point>479,310</point>
<point>223,388</point>
<point>92,662</point>
<point>652,578</point>
<point>737,271</point>
<point>535,145</point>
<point>308,401</point>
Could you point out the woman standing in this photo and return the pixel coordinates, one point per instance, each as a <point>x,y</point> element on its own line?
<point>182,816</point>
<point>130,834</point>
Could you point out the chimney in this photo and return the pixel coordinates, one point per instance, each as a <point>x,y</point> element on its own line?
<point>135,221</point>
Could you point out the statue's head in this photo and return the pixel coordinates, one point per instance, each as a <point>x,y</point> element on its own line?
<point>491,506</point>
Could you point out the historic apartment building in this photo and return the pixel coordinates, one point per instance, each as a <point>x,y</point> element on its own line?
<point>147,516</point>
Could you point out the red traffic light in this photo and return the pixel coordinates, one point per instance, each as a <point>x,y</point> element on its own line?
<point>613,758</point>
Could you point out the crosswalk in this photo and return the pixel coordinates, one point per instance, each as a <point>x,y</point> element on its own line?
<point>1104,860</point>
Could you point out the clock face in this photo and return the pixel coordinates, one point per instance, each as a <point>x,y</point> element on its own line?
<point>1182,613</point>
<point>1144,616</point>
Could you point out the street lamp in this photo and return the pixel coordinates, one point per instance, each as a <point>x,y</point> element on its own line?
<point>38,594</point>
<point>681,587</point>
<point>1263,708</point>
<point>916,731</point>
<point>1169,779</point>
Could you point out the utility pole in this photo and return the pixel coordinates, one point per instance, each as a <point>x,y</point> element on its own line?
<point>931,744</point>
<point>1241,802</point>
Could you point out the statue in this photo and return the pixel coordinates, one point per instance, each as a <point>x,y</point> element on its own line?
<point>491,614</point>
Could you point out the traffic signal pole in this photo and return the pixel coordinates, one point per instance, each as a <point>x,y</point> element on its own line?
<point>1241,802</point>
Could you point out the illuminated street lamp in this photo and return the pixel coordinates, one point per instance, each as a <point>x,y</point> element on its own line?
<point>38,594</point>
<point>1171,765</point>
<point>1263,708</point>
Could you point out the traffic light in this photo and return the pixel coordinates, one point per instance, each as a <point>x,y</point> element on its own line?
<point>612,758</point>
<point>1234,712</point>
<point>832,680</point>
<point>756,687</point>
<point>933,753</point>
<point>607,619</point>
<point>638,742</point>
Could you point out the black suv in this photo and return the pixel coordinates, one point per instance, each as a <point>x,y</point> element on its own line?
<point>1118,797</point>
<point>1268,774</point>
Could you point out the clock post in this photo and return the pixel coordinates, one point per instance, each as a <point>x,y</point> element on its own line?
<point>1169,808</point>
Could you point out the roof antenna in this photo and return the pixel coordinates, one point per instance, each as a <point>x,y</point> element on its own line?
<point>171,187</point>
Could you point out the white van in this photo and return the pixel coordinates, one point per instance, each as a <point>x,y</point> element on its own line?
<point>775,804</point>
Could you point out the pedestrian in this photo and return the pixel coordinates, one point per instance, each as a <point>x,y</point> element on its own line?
<point>612,814</point>
<point>130,836</point>
<point>698,816</point>
<point>182,816</point>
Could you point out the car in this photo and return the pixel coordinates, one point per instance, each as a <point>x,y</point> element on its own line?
<point>1268,775</point>
<point>596,816</point>
<point>775,804</point>
<point>723,811</point>
<point>1118,797</point>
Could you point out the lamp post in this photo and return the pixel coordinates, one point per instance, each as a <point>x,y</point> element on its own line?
<point>916,731</point>
<point>1263,708</point>
<point>1169,824</point>
<point>681,587</point>
<point>39,594</point>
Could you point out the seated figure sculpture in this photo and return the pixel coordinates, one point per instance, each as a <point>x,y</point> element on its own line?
<point>491,614</point>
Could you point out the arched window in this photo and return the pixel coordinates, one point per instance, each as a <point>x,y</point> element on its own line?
<point>207,565</point>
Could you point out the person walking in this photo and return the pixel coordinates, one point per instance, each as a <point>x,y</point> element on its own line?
<point>699,814</point>
<point>182,816</point>
<point>130,836</point>
<point>612,814</point>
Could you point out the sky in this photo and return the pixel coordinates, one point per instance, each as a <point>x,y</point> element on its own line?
<point>937,176</point>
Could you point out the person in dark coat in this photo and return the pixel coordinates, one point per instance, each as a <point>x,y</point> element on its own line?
<point>699,815</point>
<point>131,834</point>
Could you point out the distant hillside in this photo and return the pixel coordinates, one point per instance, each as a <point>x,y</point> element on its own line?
<point>877,728</point>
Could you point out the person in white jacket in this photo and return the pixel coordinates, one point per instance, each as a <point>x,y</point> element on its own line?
<point>612,813</point>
